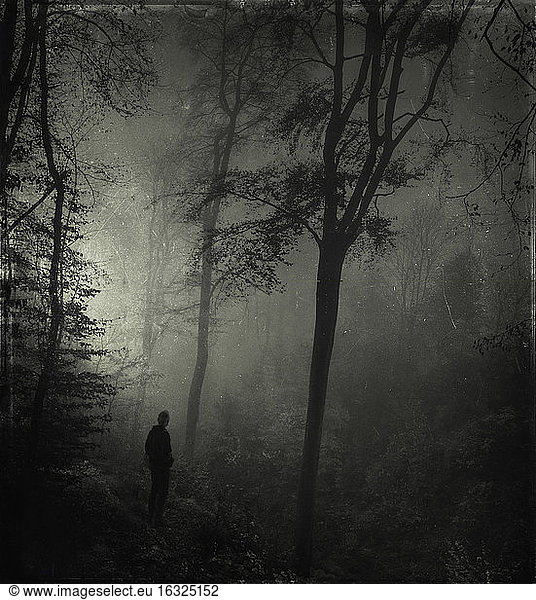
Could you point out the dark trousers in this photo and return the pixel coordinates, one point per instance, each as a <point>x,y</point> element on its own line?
<point>158,496</point>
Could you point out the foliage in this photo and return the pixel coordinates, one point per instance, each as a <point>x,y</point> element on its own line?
<point>206,538</point>
<point>79,393</point>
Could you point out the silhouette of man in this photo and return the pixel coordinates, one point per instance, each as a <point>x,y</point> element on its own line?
<point>158,449</point>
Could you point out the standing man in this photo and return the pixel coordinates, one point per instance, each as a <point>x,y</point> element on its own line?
<point>158,449</point>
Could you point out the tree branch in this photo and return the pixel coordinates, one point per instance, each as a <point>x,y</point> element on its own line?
<point>289,213</point>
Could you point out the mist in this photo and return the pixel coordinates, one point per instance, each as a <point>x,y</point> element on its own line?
<point>304,231</point>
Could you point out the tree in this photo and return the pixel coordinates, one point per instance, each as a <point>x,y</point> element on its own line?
<point>504,158</point>
<point>54,291</point>
<point>362,115</point>
<point>78,392</point>
<point>106,52</point>
<point>18,54</point>
<point>234,94</point>
<point>103,49</point>
<point>160,281</point>
<point>415,262</point>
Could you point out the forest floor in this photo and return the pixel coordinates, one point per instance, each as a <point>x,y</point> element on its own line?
<point>89,523</point>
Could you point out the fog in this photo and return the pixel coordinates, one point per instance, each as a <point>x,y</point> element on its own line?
<point>377,432</point>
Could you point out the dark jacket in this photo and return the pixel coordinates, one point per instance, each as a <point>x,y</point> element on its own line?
<point>158,448</point>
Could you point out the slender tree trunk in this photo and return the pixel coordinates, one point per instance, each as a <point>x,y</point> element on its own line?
<point>223,145</point>
<point>327,305</point>
<point>6,400</point>
<point>10,104</point>
<point>7,43</point>
<point>54,287</point>
<point>196,386</point>
<point>147,342</point>
<point>16,69</point>
<point>146,357</point>
<point>5,285</point>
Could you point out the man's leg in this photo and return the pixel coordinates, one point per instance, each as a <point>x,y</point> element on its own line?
<point>153,497</point>
<point>163,487</point>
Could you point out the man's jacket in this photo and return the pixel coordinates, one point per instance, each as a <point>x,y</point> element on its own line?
<point>158,448</point>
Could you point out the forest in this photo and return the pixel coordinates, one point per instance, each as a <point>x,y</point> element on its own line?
<point>303,229</point>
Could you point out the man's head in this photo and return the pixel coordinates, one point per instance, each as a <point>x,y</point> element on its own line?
<point>163,418</point>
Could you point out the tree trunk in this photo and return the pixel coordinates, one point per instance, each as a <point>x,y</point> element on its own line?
<point>6,400</point>
<point>327,305</point>
<point>7,46</point>
<point>211,213</point>
<point>196,386</point>
<point>148,338</point>
<point>54,287</point>
<point>147,346</point>
<point>6,352</point>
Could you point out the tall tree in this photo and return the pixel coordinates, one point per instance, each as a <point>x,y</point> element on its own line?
<point>415,263</point>
<point>392,31</point>
<point>54,285</point>
<point>233,96</point>
<point>18,52</point>
<point>160,282</point>
<point>106,53</point>
<point>362,114</point>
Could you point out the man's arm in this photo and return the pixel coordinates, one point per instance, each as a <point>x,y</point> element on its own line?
<point>169,452</point>
<point>148,444</point>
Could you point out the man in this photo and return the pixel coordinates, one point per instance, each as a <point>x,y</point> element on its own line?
<point>158,449</point>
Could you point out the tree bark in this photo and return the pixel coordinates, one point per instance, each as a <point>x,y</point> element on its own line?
<point>15,78</point>
<point>203,325</point>
<point>146,357</point>
<point>148,337</point>
<point>54,288</point>
<point>223,146</point>
<point>327,306</point>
